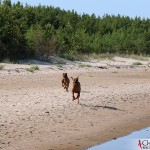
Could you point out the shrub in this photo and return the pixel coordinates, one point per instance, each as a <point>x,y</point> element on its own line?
<point>60,67</point>
<point>137,63</point>
<point>1,67</point>
<point>32,68</point>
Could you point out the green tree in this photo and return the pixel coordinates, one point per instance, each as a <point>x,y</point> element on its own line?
<point>35,37</point>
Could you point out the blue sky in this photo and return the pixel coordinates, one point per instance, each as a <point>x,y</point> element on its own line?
<point>131,8</point>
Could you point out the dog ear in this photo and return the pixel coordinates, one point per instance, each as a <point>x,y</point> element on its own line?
<point>71,78</point>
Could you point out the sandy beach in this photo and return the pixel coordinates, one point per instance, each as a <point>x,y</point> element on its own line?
<point>36,113</point>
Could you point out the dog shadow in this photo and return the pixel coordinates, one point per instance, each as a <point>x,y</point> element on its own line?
<point>95,107</point>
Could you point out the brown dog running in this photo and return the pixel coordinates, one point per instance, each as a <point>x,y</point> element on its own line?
<point>65,81</point>
<point>76,88</point>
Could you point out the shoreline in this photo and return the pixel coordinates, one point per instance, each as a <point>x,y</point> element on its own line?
<point>123,130</point>
<point>36,113</point>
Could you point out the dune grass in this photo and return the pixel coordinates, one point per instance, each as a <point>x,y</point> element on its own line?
<point>1,67</point>
<point>84,65</point>
<point>32,68</point>
<point>137,63</point>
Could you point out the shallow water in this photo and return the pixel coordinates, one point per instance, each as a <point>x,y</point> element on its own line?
<point>129,142</point>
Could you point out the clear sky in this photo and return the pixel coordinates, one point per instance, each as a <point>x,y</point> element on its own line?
<point>131,8</point>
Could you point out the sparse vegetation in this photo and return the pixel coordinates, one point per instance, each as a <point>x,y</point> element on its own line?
<point>61,62</point>
<point>32,68</point>
<point>1,67</point>
<point>60,67</point>
<point>102,56</point>
<point>137,63</point>
<point>136,57</point>
<point>7,61</point>
<point>73,56</point>
<point>84,65</point>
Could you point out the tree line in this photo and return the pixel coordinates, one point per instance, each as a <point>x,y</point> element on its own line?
<point>39,31</point>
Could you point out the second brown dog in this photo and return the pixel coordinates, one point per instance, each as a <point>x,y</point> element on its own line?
<point>65,81</point>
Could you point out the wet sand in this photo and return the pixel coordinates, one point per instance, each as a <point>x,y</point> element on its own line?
<point>36,113</point>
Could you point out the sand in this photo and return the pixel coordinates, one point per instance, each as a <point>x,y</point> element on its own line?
<point>36,113</point>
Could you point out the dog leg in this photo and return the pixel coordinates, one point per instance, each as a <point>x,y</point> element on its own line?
<point>78,101</point>
<point>73,97</point>
<point>78,97</point>
<point>62,82</point>
<point>67,89</point>
<point>64,86</point>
